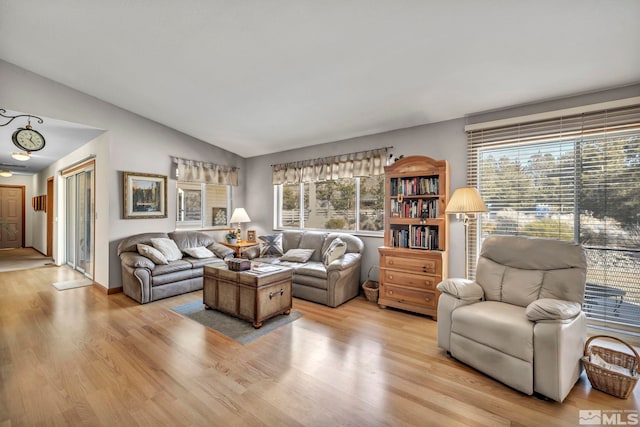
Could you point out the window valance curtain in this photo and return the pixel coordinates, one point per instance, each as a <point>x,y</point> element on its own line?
<point>205,172</point>
<point>363,163</point>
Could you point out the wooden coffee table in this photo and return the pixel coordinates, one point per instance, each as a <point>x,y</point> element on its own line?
<point>252,295</point>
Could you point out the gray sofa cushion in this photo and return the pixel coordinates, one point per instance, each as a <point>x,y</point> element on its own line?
<point>311,268</point>
<point>201,262</point>
<point>313,240</point>
<point>291,239</point>
<point>173,266</point>
<point>129,244</point>
<point>297,255</point>
<point>221,251</point>
<point>191,239</point>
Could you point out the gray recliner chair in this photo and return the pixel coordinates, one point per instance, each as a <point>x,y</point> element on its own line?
<point>521,320</point>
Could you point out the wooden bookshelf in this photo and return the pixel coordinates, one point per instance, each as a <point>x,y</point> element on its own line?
<point>414,259</point>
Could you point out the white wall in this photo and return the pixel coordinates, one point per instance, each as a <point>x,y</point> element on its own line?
<point>132,143</point>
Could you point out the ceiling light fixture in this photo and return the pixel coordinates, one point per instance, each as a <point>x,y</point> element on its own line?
<point>6,173</point>
<point>22,156</point>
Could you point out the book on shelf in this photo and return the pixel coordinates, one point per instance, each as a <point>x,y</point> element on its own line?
<point>415,186</point>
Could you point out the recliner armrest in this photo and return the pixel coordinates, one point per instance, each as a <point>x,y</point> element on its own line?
<point>135,260</point>
<point>552,309</point>
<point>462,289</point>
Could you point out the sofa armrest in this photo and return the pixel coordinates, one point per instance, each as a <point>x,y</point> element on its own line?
<point>463,289</point>
<point>345,261</point>
<point>552,309</point>
<point>252,252</point>
<point>343,279</point>
<point>221,251</point>
<point>135,260</point>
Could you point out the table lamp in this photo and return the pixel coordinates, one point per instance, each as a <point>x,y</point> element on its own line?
<point>239,216</point>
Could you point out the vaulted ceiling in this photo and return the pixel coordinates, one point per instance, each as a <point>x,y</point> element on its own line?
<point>262,76</point>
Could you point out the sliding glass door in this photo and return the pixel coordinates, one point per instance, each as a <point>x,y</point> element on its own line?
<point>80,219</point>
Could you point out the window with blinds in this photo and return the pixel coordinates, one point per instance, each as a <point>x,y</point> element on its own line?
<point>570,178</point>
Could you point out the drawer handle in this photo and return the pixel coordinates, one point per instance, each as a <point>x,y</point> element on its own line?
<point>391,277</point>
<point>271,294</point>
<point>390,292</point>
<point>390,262</point>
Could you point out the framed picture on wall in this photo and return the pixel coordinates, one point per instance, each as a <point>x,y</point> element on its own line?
<point>145,195</point>
<point>219,216</point>
<point>251,235</point>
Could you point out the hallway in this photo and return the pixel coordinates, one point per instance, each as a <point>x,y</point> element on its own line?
<point>22,259</point>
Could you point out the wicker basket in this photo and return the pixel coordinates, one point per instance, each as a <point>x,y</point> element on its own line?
<point>606,380</point>
<point>370,287</point>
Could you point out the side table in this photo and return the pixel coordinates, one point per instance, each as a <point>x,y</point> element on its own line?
<point>240,246</point>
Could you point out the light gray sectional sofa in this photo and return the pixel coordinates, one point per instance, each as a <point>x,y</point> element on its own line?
<point>145,280</point>
<point>332,284</point>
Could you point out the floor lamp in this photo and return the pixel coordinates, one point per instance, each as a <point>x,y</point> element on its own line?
<point>466,201</point>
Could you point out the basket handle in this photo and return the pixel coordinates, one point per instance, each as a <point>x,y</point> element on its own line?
<point>635,353</point>
<point>369,272</point>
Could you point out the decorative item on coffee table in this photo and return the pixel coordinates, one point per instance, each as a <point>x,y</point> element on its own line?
<point>239,264</point>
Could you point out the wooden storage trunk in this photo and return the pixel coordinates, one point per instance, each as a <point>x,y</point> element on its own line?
<point>249,295</point>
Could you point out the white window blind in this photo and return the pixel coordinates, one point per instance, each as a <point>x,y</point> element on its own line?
<point>571,178</point>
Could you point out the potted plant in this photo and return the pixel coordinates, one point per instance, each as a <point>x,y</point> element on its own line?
<point>232,237</point>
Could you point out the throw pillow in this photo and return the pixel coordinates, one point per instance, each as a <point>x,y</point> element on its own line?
<point>199,252</point>
<point>335,250</point>
<point>168,248</point>
<point>297,255</point>
<point>271,245</point>
<point>152,253</point>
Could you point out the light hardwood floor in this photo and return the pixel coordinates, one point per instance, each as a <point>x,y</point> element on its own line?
<point>80,357</point>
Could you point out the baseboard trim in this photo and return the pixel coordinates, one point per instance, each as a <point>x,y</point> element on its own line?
<point>105,290</point>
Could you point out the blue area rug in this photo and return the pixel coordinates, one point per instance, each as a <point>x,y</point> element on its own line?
<point>240,330</point>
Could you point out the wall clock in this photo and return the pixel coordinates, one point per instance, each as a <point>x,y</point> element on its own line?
<point>28,139</point>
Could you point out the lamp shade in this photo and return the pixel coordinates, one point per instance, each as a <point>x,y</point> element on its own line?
<point>239,215</point>
<point>466,200</point>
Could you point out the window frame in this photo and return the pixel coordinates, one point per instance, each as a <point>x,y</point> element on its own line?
<point>201,225</point>
<point>278,210</point>
<point>603,128</point>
